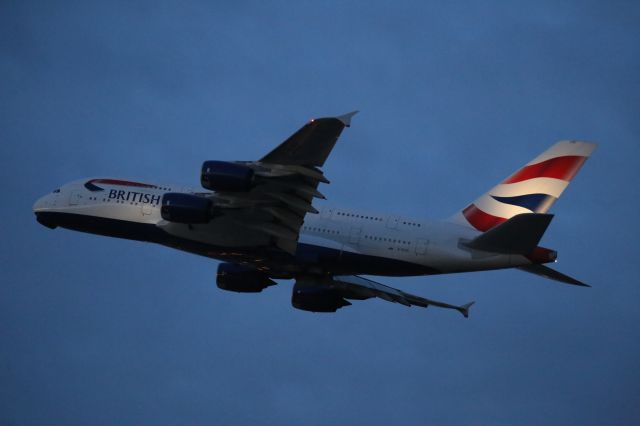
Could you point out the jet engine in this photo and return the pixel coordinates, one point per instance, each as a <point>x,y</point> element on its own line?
<point>233,277</point>
<point>317,298</point>
<point>185,208</point>
<point>226,176</point>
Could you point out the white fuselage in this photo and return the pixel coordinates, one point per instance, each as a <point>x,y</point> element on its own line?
<point>433,245</point>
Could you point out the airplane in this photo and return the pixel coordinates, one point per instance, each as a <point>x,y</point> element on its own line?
<point>258,219</point>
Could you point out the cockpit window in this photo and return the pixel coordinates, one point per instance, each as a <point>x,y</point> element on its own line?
<point>55,191</point>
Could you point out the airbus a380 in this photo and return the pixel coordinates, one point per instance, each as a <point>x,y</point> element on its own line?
<point>258,219</point>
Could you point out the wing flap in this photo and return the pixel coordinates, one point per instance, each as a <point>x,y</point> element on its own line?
<point>274,229</point>
<point>286,217</point>
<point>293,201</point>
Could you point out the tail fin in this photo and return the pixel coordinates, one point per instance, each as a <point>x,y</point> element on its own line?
<point>532,189</point>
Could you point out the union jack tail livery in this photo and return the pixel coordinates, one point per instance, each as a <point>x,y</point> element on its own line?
<point>532,189</point>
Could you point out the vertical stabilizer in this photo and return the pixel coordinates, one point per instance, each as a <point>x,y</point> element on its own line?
<point>532,189</point>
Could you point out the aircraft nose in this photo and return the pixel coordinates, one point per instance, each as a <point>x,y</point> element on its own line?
<point>41,204</point>
<point>43,214</point>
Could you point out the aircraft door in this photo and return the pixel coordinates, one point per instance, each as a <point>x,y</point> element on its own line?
<point>75,198</point>
<point>393,221</point>
<point>145,209</point>
<point>354,235</point>
<point>421,246</point>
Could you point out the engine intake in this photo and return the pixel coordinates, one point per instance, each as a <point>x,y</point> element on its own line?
<point>317,298</point>
<point>185,208</point>
<point>233,277</point>
<point>226,176</point>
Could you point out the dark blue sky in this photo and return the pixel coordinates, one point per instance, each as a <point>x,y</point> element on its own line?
<point>453,97</point>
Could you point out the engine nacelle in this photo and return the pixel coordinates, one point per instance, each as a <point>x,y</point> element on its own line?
<point>233,277</point>
<point>185,208</point>
<point>225,176</point>
<point>317,298</point>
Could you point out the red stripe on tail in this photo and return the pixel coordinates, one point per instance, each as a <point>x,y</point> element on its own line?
<point>480,220</point>
<point>563,168</point>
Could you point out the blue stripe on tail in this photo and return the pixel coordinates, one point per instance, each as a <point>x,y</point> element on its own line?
<point>537,203</point>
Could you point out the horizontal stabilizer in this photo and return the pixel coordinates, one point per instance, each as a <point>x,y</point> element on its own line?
<point>518,235</point>
<point>552,274</point>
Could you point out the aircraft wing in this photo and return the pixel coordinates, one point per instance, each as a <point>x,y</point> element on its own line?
<point>285,183</point>
<point>355,287</point>
<point>311,145</point>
